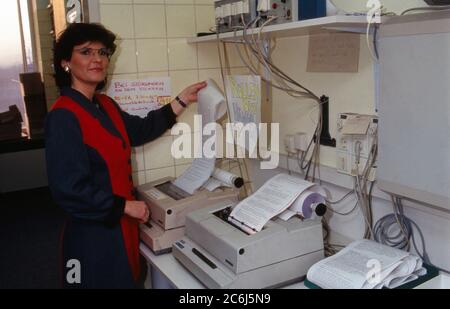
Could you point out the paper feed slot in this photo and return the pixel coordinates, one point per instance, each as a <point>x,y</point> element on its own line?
<point>172,190</point>
<point>224,215</point>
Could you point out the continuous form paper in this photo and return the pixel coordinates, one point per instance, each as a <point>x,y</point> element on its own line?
<point>351,267</point>
<point>211,106</point>
<point>274,197</point>
<point>212,184</point>
<point>196,175</point>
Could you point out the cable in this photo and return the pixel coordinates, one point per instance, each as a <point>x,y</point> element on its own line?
<point>372,54</point>
<point>280,80</point>
<point>375,42</point>
<point>247,191</point>
<point>427,8</point>
<point>344,213</point>
<point>341,199</point>
<point>401,240</point>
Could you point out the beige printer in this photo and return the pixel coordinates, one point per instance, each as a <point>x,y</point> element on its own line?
<point>169,205</point>
<point>222,256</point>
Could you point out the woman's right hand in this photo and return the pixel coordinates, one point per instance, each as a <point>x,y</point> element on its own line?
<point>138,210</point>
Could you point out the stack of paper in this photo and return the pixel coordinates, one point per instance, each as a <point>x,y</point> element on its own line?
<point>365,264</point>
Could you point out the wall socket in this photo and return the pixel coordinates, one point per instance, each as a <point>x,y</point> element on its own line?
<point>295,142</point>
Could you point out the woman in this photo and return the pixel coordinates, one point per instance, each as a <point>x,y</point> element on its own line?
<point>88,148</point>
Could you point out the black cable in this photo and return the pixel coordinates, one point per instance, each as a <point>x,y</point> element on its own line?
<point>375,43</point>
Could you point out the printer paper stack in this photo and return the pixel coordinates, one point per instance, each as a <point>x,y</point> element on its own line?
<point>365,264</point>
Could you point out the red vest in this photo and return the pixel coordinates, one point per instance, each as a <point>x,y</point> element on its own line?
<point>117,156</point>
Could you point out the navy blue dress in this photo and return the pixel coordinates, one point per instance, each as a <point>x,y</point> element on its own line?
<point>80,183</point>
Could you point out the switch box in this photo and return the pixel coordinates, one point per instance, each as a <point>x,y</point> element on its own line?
<point>231,14</point>
<point>355,133</point>
<point>280,8</point>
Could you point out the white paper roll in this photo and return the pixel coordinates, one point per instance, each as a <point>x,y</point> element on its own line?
<point>228,178</point>
<point>211,103</point>
<point>211,106</point>
<point>308,204</point>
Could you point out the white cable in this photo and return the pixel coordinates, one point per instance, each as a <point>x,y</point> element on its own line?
<point>369,45</point>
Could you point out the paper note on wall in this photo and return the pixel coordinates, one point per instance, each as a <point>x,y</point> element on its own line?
<point>244,98</point>
<point>140,96</point>
<point>334,52</point>
<point>244,103</point>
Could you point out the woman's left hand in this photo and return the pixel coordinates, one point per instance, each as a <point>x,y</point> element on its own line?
<point>189,94</point>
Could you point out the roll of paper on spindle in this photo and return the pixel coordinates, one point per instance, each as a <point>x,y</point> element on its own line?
<point>309,203</point>
<point>228,178</point>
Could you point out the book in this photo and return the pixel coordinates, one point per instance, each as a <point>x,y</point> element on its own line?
<point>365,264</point>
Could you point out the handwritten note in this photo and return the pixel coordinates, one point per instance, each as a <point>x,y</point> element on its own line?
<point>244,97</point>
<point>334,52</point>
<point>140,96</point>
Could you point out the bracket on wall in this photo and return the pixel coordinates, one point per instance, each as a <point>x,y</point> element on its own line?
<point>325,137</point>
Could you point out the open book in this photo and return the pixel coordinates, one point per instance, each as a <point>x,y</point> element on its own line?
<point>365,264</point>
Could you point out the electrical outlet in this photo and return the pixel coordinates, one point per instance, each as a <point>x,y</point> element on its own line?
<point>300,141</point>
<point>342,163</point>
<point>289,143</point>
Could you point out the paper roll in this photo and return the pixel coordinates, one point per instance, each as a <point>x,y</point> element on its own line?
<point>211,106</point>
<point>228,178</point>
<point>211,102</point>
<point>309,203</point>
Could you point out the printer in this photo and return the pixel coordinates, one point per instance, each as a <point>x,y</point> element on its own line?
<point>221,255</point>
<point>169,205</point>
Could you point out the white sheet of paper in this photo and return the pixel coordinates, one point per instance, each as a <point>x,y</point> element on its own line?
<point>196,175</point>
<point>244,103</point>
<point>274,197</point>
<point>287,214</point>
<point>212,184</point>
<point>244,97</point>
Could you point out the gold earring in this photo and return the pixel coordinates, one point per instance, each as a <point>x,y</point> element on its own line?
<point>67,69</point>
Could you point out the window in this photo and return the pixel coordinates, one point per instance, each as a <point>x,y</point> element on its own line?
<point>16,51</point>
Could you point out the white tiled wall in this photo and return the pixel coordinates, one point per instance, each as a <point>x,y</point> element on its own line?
<point>152,43</point>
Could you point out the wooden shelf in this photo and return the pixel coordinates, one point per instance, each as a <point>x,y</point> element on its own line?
<point>298,28</point>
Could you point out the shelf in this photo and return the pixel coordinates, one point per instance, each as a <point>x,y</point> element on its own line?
<point>298,28</point>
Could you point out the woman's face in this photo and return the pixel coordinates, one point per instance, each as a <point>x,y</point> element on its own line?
<point>89,64</point>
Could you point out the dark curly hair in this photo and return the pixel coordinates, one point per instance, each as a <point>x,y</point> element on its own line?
<point>77,34</point>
